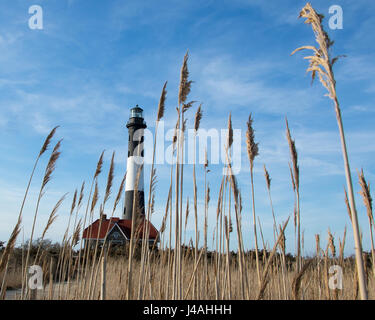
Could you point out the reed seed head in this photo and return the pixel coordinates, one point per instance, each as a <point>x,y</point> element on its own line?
<point>161,106</point>
<point>187,106</point>
<point>320,62</point>
<point>187,212</point>
<point>48,141</point>
<point>198,118</point>
<point>282,242</point>
<point>99,166</point>
<point>95,197</point>
<point>53,215</point>
<point>317,244</point>
<point>76,233</point>
<point>110,178</point>
<point>51,164</point>
<point>294,156</point>
<point>331,243</point>
<point>366,195</point>
<point>230,131</point>
<point>10,245</point>
<point>267,176</point>
<point>119,193</point>
<point>81,194</point>
<point>252,147</point>
<point>185,84</point>
<point>73,202</point>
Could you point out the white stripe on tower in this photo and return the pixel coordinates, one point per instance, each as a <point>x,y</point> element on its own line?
<point>133,165</point>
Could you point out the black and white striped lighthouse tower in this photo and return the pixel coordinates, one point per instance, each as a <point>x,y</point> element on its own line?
<point>136,126</point>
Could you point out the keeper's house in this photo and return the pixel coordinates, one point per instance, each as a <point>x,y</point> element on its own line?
<point>118,231</point>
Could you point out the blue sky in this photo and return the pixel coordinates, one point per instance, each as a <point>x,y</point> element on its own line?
<point>95,59</point>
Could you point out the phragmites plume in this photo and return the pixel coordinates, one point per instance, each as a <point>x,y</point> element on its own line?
<point>365,192</point>
<point>99,166</point>
<point>187,106</point>
<point>187,212</point>
<point>161,106</point>
<point>252,147</point>
<point>267,176</point>
<point>10,245</point>
<point>74,202</point>
<point>53,216</point>
<point>51,164</point>
<point>320,63</point>
<point>110,178</point>
<point>76,233</point>
<point>81,194</point>
<point>48,141</point>
<point>119,193</point>
<point>317,244</point>
<point>230,132</point>
<point>282,242</point>
<point>95,197</point>
<point>198,118</point>
<point>331,243</point>
<point>293,154</point>
<point>185,84</point>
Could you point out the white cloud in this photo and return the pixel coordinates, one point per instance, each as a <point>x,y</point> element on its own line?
<point>225,83</point>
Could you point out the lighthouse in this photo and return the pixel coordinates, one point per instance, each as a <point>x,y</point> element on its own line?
<point>136,125</point>
<point>115,230</point>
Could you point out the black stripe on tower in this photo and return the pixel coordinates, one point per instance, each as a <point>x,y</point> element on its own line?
<point>135,125</point>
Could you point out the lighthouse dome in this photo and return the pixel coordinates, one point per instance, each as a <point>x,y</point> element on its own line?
<point>136,112</point>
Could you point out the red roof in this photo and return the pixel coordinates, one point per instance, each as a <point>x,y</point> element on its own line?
<point>91,232</point>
